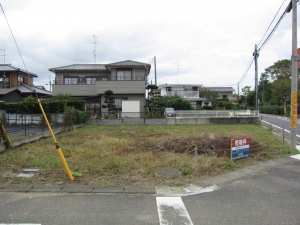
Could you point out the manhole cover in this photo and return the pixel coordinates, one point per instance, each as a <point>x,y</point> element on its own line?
<point>142,217</point>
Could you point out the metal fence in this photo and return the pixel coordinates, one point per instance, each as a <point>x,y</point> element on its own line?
<point>181,114</point>
<point>215,113</point>
<point>23,125</point>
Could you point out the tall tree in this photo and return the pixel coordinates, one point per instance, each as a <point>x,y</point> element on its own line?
<point>280,73</point>
<point>246,89</point>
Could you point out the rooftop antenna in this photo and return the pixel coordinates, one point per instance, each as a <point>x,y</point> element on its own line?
<point>95,42</point>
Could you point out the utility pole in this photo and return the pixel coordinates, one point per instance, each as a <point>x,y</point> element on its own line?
<point>154,61</point>
<point>238,92</point>
<point>294,88</point>
<point>255,54</point>
<point>155,70</point>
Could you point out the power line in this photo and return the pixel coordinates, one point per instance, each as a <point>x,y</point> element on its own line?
<point>271,22</point>
<point>272,32</point>
<point>266,40</point>
<point>13,37</point>
<point>245,73</point>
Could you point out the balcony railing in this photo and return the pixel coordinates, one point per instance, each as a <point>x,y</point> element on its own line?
<point>184,94</point>
<point>93,81</point>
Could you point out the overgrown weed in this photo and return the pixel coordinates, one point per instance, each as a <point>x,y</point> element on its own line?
<point>114,154</point>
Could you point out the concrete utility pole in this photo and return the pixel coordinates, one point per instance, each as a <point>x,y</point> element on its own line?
<point>294,88</point>
<point>255,54</point>
<point>155,70</point>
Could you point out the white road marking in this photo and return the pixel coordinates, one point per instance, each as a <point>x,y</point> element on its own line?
<point>20,224</point>
<point>296,156</point>
<point>172,211</point>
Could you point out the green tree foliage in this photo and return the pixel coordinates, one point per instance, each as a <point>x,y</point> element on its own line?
<point>250,99</point>
<point>109,101</point>
<point>245,90</point>
<point>151,90</point>
<point>62,97</point>
<point>156,106</point>
<point>209,94</point>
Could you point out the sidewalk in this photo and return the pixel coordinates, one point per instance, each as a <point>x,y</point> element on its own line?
<point>197,188</point>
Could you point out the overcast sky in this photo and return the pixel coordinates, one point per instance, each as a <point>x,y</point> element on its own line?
<point>207,42</point>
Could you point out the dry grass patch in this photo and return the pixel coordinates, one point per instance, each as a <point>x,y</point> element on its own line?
<point>129,155</point>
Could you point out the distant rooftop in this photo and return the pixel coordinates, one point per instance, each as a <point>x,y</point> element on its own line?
<point>10,68</point>
<point>97,67</point>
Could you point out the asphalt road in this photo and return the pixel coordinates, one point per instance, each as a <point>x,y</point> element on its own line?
<point>270,197</point>
<point>281,122</point>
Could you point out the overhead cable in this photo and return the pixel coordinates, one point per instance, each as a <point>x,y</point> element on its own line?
<point>271,22</point>
<point>249,65</point>
<point>272,32</point>
<point>13,37</point>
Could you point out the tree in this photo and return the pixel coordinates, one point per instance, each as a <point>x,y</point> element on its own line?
<point>207,93</point>
<point>62,97</point>
<point>245,90</point>
<point>281,68</point>
<point>109,102</point>
<point>152,88</point>
<point>280,74</point>
<point>156,106</point>
<point>250,99</point>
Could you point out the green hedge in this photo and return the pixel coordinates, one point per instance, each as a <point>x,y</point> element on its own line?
<point>276,110</point>
<point>54,106</point>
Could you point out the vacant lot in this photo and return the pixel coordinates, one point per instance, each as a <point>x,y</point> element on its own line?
<point>129,155</point>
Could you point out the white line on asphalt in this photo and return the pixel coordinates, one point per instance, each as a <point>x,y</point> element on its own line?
<point>296,156</point>
<point>172,211</point>
<point>278,127</point>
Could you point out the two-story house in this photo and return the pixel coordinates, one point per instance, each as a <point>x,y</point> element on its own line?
<point>225,93</point>
<point>17,84</point>
<point>126,79</point>
<point>190,92</point>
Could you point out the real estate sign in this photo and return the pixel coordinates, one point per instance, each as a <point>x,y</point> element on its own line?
<point>240,148</point>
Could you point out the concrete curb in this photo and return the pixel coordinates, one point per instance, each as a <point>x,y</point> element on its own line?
<point>197,188</point>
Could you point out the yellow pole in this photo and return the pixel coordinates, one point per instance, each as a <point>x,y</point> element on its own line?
<point>60,153</point>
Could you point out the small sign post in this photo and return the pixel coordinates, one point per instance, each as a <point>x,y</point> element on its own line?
<point>240,148</point>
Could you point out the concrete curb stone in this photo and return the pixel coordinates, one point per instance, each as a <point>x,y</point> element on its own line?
<point>160,190</point>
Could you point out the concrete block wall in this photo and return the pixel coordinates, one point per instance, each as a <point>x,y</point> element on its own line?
<point>173,121</point>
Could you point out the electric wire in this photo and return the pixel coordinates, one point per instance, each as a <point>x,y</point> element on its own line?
<point>18,48</point>
<point>266,40</point>
<point>271,22</point>
<point>272,32</point>
<point>246,71</point>
<point>13,36</point>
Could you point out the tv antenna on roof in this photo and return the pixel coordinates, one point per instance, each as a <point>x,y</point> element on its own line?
<point>95,42</point>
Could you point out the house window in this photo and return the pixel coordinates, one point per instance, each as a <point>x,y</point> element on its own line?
<point>169,89</point>
<point>118,102</point>
<point>20,79</point>
<point>124,75</point>
<point>70,80</point>
<point>224,96</point>
<point>91,80</point>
